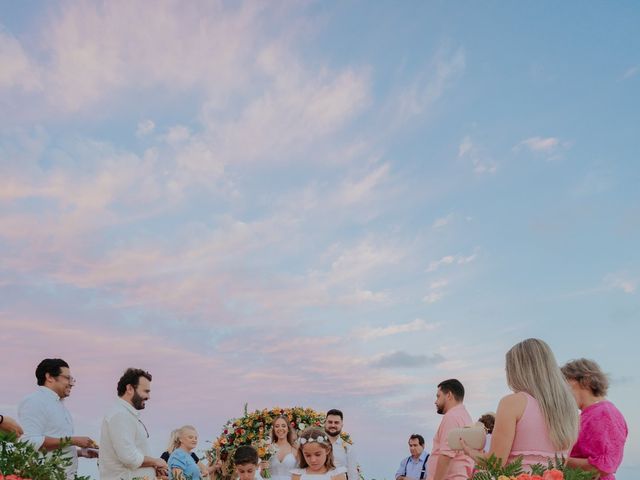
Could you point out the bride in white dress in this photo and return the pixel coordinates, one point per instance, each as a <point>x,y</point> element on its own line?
<point>285,458</point>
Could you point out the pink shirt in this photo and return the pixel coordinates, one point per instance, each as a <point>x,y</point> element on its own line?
<point>603,432</point>
<point>532,439</point>
<point>461,466</point>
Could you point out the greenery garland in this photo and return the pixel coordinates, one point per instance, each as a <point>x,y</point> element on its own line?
<point>20,460</point>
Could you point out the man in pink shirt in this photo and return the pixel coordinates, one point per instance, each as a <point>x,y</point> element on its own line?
<point>445,463</point>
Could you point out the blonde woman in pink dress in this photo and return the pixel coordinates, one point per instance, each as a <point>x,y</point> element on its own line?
<point>603,429</point>
<point>538,421</point>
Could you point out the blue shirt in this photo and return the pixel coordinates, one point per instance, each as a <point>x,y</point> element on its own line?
<point>413,467</point>
<point>182,460</point>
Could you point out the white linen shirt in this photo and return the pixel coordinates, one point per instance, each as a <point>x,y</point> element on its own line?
<point>43,414</point>
<point>123,444</point>
<point>345,456</point>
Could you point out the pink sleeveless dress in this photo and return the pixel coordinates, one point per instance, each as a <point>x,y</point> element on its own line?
<point>532,437</point>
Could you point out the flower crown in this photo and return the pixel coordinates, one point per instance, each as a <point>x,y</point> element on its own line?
<point>318,439</point>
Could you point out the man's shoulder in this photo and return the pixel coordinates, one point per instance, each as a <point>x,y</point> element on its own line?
<point>347,445</point>
<point>35,398</point>
<point>456,417</point>
<point>30,397</point>
<point>345,441</point>
<point>116,409</point>
<point>459,413</point>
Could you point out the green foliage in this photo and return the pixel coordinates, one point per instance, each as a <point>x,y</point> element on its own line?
<point>492,467</point>
<point>22,459</point>
<point>559,463</point>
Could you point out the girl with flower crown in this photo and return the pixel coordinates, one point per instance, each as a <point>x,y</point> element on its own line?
<point>316,458</point>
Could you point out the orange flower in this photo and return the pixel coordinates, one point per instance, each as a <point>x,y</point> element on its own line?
<point>553,474</point>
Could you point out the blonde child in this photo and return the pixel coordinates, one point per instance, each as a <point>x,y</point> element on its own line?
<point>315,457</point>
<point>246,461</point>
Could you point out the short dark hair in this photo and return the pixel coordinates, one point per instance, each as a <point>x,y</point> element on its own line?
<point>454,386</point>
<point>244,455</point>
<point>335,411</point>
<point>52,366</point>
<point>420,439</point>
<point>131,376</point>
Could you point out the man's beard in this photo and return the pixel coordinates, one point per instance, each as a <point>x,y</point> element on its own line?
<point>137,401</point>
<point>333,433</point>
<point>440,410</point>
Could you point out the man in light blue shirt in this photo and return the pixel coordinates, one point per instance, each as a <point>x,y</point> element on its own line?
<point>415,465</point>
<point>45,419</point>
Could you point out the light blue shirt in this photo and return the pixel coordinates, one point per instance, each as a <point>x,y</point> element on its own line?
<point>43,414</point>
<point>413,467</point>
<point>182,460</point>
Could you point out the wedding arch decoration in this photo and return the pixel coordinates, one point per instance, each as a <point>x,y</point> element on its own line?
<point>254,428</point>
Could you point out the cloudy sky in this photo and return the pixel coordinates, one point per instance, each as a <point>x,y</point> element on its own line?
<point>326,204</point>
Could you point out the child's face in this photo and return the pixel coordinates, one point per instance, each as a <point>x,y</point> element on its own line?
<point>189,439</point>
<point>316,456</point>
<point>246,471</point>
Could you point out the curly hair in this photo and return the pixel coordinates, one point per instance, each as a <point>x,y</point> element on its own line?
<point>588,374</point>
<point>131,377</point>
<point>488,420</point>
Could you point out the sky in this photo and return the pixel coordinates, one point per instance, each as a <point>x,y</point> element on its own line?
<point>332,204</point>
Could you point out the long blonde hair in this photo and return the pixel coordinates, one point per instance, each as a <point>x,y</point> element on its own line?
<point>532,368</point>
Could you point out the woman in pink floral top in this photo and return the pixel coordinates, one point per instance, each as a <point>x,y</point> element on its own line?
<point>603,430</point>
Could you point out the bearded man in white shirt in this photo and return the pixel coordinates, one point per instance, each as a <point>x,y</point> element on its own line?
<point>46,422</point>
<point>124,439</point>
<point>343,453</point>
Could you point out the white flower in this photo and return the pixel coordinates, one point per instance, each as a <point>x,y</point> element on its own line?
<point>319,439</point>
<point>301,426</point>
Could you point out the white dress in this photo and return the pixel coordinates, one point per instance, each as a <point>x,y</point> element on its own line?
<point>281,470</point>
<point>324,476</point>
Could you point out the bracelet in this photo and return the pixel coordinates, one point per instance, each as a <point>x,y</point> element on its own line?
<point>1,418</point>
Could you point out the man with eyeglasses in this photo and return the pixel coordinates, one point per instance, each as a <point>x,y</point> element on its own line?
<point>46,422</point>
<point>124,439</point>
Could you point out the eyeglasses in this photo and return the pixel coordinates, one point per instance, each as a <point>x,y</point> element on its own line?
<point>71,380</point>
